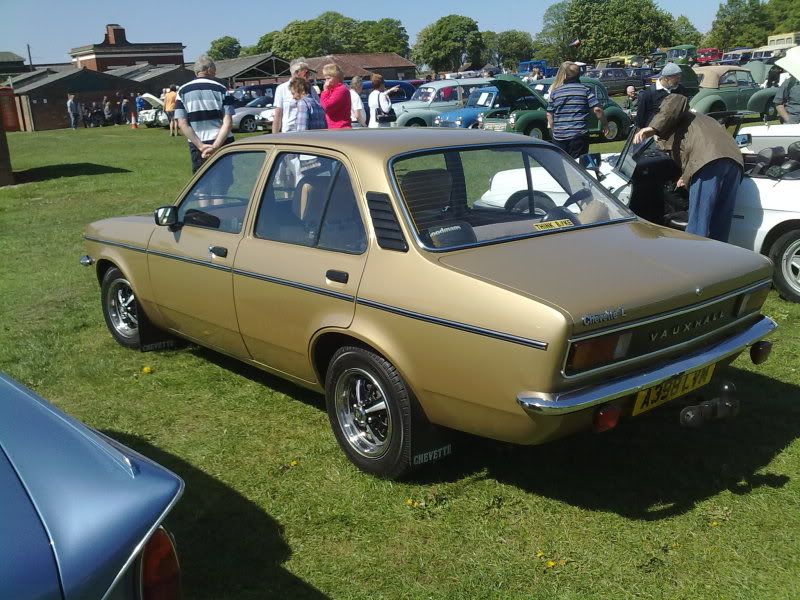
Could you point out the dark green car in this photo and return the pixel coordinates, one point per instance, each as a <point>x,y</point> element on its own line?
<point>533,121</point>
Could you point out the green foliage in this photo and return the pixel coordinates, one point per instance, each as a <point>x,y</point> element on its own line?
<point>224,47</point>
<point>784,15</point>
<point>491,49</point>
<point>513,46</point>
<point>333,33</point>
<point>685,32</point>
<point>442,44</point>
<point>740,23</point>
<point>609,27</point>
<point>556,35</point>
<point>262,46</point>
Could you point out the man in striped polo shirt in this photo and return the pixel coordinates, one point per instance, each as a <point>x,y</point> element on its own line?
<point>204,111</point>
<point>568,111</point>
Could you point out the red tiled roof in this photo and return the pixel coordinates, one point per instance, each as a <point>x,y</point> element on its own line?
<point>361,64</point>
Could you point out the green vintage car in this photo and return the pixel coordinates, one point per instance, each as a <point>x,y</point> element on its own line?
<point>435,97</point>
<point>727,87</point>
<point>533,120</point>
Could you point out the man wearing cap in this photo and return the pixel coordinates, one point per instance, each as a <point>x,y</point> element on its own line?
<point>787,98</point>
<point>285,109</point>
<point>668,82</point>
<point>710,163</point>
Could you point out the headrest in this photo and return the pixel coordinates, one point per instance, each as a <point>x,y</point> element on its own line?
<point>451,233</point>
<point>772,156</point>
<point>793,151</point>
<point>426,190</point>
<point>790,165</point>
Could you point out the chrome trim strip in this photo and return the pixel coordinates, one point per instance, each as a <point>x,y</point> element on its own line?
<point>193,261</point>
<point>506,337</point>
<point>660,317</point>
<point>295,284</point>
<point>117,244</point>
<point>562,403</point>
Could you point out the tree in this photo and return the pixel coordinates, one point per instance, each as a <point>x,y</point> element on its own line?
<point>384,35</point>
<point>784,15</point>
<point>685,32</point>
<point>513,46</point>
<point>555,36</point>
<point>610,27</point>
<point>740,23</point>
<point>442,44</point>
<point>224,47</point>
<point>491,51</point>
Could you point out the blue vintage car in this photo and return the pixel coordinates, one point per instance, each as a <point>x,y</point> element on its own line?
<point>479,101</point>
<point>81,513</point>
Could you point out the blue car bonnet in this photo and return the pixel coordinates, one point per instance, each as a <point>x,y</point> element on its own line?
<point>97,500</point>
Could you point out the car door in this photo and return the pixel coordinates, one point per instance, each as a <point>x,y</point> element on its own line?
<point>746,88</point>
<point>602,97</point>
<point>191,266</point>
<point>729,90</point>
<point>298,270</point>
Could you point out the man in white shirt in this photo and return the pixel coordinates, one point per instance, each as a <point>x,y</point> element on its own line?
<point>358,116</point>
<point>285,110</point>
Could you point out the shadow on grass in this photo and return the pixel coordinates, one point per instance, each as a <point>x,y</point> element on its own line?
<point>228,546</point>
<point>650,468</point>
<point>64,170</point>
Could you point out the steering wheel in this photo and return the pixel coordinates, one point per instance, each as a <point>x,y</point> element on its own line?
<point>518,203</point>
<point>582,195</point>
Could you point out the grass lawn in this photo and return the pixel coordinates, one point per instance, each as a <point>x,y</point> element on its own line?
<point>273,509</point>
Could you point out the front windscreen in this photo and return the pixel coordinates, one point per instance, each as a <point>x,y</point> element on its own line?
<point>472,196</point>
<point>673,54</point>
<point>424,94</point>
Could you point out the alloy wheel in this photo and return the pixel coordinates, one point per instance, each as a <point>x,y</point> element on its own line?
<point>363,412</point>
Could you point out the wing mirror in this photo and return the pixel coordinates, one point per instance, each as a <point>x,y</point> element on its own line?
<point>743,140</point>
<point>591,162</point>
<point>166,216</point>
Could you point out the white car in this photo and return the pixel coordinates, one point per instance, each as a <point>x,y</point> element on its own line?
<point>264,119</point>
<point>155,115</point>
<point>769,136</point>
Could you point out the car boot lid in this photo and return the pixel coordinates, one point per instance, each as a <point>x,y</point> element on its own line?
<point>639,267</point>
<point>98,500</point>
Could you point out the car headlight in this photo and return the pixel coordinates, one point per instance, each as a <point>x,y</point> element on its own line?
<point>458,122</point>
<point>512,118</point>
<point>437,120</point>
<point>694,110</point>
<point>480,118</point>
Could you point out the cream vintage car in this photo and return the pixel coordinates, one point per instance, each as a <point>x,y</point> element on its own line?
<point>360,263</point>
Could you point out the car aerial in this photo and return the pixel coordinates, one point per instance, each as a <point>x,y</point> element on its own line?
<point>532,120</point>
<point>358,263</point>
<point>81,512</point>
<point>153,116</point>
<point>730,88</point>
<point>244,117</point>
<point>615,80</point>
<point>479,101</point>
<point>435,97</point>
<point>766,215</point>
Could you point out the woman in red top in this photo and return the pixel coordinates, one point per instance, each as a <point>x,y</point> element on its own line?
<point>335,98</point>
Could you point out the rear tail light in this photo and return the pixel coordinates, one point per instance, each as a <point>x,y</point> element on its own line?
<point>161,573</point>
<point>605,418</point>
<point>598,351</point>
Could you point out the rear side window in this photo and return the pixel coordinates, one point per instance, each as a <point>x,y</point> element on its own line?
<point>309,201</point>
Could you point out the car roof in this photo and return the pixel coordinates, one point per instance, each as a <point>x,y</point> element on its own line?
<point>384,143</point>
<point>712,73</point>
<point>454,82</point>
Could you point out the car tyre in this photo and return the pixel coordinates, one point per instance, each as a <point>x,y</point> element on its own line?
<point>536,132</point>
<point>614,130</point>
<point>785,255</point>
<point>248,125</point>
<point>120,308</point>
<point>518,202</point>
<point>369,409</point>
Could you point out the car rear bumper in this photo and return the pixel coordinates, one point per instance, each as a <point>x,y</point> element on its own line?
<point>554,404</point>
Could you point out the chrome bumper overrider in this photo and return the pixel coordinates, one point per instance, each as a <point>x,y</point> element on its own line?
<point>541,404</point>
<point>86,260</point>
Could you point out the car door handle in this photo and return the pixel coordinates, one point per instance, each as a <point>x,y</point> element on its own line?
<point>218,251</point>
<point>337,276</point>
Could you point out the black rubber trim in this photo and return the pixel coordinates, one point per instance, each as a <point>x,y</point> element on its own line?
<point>455,325</point>
<point>296,285</point>
<point>387,229</point>
<point>117,244</point>
<point>193,261</point>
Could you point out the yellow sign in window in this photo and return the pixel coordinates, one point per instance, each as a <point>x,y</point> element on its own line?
<point>550,225</point>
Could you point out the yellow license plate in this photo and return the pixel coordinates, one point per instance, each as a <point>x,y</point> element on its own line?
<point>671,388</point>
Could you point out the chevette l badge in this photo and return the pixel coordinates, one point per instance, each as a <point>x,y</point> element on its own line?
<point>687,326</point>
<point>606,315</point>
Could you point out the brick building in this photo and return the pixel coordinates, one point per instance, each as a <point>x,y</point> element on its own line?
<point>152,78</point>
<point>388,64</point>
<point>116,51</point>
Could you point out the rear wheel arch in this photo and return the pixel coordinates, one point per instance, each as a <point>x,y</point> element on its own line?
<point>325,346</point>
<point>775,233</point>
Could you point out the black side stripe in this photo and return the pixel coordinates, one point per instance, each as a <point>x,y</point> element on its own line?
<point>296,285</point>
<point>193,261</point>
<point>455,325</point>
<point>117,244</point>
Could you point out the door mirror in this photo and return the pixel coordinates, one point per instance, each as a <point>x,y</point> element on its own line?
<point>591,162</point>
<point>166,216</point>
<point>743,140</point>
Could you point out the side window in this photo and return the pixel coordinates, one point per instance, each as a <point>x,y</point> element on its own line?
<point>219,198</point>
<point>445,94</point>
<point>309,201</point>
<point>728,79</point>
<point>744,79</point>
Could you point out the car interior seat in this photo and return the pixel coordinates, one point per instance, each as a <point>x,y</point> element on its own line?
<point>768,157</point>
<point>427,193</point>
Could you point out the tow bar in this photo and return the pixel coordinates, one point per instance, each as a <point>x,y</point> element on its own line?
<point>723,407</point>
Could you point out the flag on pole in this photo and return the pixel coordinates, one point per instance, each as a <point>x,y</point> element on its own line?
<point>575,42</point>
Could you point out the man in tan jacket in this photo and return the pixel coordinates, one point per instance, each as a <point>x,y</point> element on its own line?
<point>710,162</point>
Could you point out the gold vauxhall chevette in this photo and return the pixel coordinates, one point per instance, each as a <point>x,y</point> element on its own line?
<point>385,268</point>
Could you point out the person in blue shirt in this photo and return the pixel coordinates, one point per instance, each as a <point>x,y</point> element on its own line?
<point>568,111</point>
<point>140,103</point>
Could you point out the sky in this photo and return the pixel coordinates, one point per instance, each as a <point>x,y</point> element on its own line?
<point>53,27</point>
